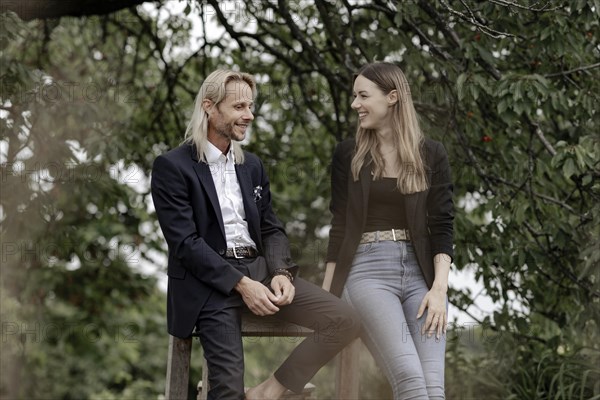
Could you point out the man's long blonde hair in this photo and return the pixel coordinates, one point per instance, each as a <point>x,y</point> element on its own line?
<point>214,88</point>
<point>407,135</point>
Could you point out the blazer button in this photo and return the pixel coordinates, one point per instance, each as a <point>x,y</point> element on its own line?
<point>221,252</point>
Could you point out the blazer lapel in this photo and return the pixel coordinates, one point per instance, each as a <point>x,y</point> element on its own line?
<point>252,217</point>
<point>365,183</point>
<point>410,208</point>
<point>206,180</point>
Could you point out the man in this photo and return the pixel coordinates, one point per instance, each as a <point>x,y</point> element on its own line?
<point>228,250</point>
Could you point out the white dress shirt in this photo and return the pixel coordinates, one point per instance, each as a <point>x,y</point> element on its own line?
<point>222,169</point>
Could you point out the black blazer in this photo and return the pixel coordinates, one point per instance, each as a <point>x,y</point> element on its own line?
<point>429,214</point>
<point>190,217</point>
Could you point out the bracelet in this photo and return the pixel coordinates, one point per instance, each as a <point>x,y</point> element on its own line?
<point>285,272</point>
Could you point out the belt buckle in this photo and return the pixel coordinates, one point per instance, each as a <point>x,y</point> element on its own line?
<point>235,253</point>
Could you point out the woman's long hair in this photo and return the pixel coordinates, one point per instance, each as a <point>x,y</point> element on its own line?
<point>213,88</point>
<point>407,136</point>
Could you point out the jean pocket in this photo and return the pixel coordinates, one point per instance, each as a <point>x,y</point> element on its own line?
<point>363,248</point>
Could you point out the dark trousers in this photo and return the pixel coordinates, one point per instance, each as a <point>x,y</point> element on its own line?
<point>335,325</point>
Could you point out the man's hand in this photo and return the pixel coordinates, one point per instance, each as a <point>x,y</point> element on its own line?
<point>257,297</point>
<point>284,290</point>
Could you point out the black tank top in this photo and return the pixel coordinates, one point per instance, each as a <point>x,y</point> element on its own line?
<point>386,206</point>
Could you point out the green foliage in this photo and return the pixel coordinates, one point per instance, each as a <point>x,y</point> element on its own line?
<point>86,104</point>
<point>84,318</point>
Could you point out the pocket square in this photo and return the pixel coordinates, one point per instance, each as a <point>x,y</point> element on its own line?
<point>256,193</point>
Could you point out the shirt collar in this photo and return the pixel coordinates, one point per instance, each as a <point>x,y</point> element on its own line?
<point>213,154</point>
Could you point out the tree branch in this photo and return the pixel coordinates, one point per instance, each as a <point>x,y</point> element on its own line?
<point>571,71</point>
<point>434,47</point>
<point>522,7</point>
<point>473,20</point>
<point>451,34</point>
<point>538,132</point>
<point>44,9</point>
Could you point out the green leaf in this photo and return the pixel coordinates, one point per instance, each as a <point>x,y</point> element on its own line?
<point>502,106</point>
<point>517,90</point>
<point>569,168</point>
<point>398,18</point>
<point>486,55</point>
<point>460,82</point>
<point>581,157</point>
<point>522,325</point>
<point>474,91</point>
<point>546,33</point>
<point>586,180</point>
<point>520,214</point>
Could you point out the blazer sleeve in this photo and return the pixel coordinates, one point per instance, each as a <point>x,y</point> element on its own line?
<point>176,217</point>
<point>340,169</point>
<point>275,242</point>
<point>440,206</point>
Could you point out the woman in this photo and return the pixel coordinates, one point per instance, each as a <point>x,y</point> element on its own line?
<point>391,237</point>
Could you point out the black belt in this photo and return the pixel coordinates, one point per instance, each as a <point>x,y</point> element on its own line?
<point>241,252</point>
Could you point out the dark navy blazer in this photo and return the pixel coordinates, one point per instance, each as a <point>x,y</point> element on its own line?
<point>190,217</point>
<point>429,214</point>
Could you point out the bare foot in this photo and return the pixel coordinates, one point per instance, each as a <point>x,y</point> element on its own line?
<point>270,389</point>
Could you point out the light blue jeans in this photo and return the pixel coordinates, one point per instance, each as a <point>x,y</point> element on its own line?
<point>385,286</point>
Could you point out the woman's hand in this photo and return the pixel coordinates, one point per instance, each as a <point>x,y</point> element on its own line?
<point>435,300</point>
<point>436,321</point>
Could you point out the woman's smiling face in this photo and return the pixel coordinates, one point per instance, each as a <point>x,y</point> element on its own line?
<point>373,106</point>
